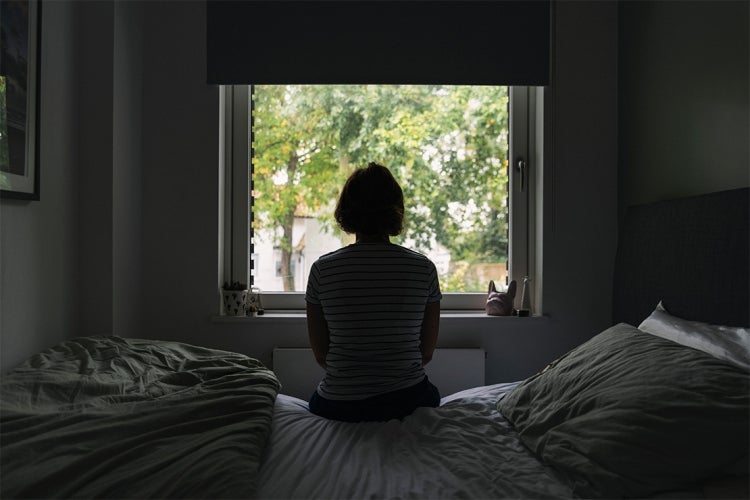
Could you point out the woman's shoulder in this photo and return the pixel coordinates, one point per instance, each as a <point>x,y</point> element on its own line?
<point>385,248</point>
<point>373,250</point>
<point>416,256</point>
<point>411,253</point>
<point>332,255</point>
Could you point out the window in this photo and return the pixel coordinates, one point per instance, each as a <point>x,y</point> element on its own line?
<point>461,154</point>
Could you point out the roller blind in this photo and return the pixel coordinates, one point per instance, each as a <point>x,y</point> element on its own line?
<point>378,42</point>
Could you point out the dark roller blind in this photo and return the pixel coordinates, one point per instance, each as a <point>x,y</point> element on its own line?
<point>399,42</point>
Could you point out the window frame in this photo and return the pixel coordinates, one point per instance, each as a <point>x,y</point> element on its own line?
<point>235,204</point>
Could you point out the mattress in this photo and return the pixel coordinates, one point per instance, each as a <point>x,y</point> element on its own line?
<point>462,449</point>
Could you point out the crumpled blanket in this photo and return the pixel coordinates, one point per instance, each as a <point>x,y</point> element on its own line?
<point>110,417</point>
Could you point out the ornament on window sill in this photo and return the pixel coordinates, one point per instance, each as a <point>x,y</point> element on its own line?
<point>254,304</point>
<point>500,303</point>
<point>234,296</point>
<point>525,309</point>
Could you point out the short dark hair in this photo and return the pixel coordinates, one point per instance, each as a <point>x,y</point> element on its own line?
<point>371,203</point>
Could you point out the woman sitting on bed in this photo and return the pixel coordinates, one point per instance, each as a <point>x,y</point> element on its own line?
<point>373,310</point>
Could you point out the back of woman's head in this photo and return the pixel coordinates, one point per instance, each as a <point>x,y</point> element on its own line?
<point>371,203</point>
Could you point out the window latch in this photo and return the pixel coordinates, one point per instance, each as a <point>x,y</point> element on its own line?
<point>521,169</point>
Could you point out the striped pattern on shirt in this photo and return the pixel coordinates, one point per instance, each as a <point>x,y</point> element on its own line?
<point>373,297</point>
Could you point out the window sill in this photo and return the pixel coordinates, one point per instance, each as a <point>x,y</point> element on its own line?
<point>458,314</point>
<point>296,315</point>
<point>269,314</point>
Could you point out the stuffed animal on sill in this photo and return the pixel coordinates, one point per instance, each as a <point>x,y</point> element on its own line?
<point>500,303</point>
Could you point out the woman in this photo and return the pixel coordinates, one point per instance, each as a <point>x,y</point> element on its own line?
<point>373,310</point>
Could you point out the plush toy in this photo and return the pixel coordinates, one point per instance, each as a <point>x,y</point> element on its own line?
<point>500,303</point>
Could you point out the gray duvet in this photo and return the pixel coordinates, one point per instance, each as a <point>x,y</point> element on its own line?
<point>123,418</point>
<point>630,414</point>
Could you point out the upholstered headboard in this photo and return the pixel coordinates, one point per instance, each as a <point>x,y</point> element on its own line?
<point>691,253</point>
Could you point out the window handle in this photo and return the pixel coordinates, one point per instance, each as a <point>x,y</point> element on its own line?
<point>521,169</point>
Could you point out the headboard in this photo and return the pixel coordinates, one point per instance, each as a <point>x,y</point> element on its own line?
<point>691,253</point>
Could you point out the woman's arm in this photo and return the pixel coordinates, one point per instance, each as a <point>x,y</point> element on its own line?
<point>317,330</point>
<point>429,335</point>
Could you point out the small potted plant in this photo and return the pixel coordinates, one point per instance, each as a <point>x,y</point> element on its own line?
<point>235,298</point>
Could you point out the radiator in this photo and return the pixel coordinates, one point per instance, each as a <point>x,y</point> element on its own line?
<point>451,370</point>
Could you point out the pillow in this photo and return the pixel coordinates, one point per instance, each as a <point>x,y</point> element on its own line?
<point>725,342</point>
<point>629,414</point>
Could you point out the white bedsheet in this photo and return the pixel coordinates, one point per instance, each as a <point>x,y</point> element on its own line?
<point>463,449</point>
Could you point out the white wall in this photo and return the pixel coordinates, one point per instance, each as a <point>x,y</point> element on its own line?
<point>71,261</point>
<point>684,108</point>
<point>127,154</point>
<point>110,132</point>
<point>168,206</point>
<point>180,176</point>
<point>94,121</point>
<point>180,200</point>
<point>39,292</point>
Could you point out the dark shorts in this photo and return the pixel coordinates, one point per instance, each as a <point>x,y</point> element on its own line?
<point>396,404</point>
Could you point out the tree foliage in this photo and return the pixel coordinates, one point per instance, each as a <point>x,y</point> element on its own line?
<point>447,146</point>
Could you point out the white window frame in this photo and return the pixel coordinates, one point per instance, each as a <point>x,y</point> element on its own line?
<point>524,156</point>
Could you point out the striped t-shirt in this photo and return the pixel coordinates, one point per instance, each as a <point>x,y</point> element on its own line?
<point>373,297</point>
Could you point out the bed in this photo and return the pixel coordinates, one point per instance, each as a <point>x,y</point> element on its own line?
<point>654,406</point>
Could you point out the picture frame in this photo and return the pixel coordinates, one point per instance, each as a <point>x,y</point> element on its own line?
<point>20,23</point>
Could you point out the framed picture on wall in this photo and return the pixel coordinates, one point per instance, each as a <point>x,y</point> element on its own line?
<point>19,98</point>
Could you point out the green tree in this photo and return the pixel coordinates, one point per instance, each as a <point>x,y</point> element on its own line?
<point>447,146</point>
<point>294,161</point>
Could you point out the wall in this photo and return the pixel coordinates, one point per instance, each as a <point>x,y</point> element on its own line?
<point>181,200</point>
<point>110,134</point>
<point>39,292</point>
<point>180,176</point>
<point>145,146</point>
<point>95,135</point>
<point>683,109</point>
<point>156,249</point>
<point>127,153</point>
<point>70,263</point>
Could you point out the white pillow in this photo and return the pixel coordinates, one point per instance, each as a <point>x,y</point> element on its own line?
<point>729,343</point>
